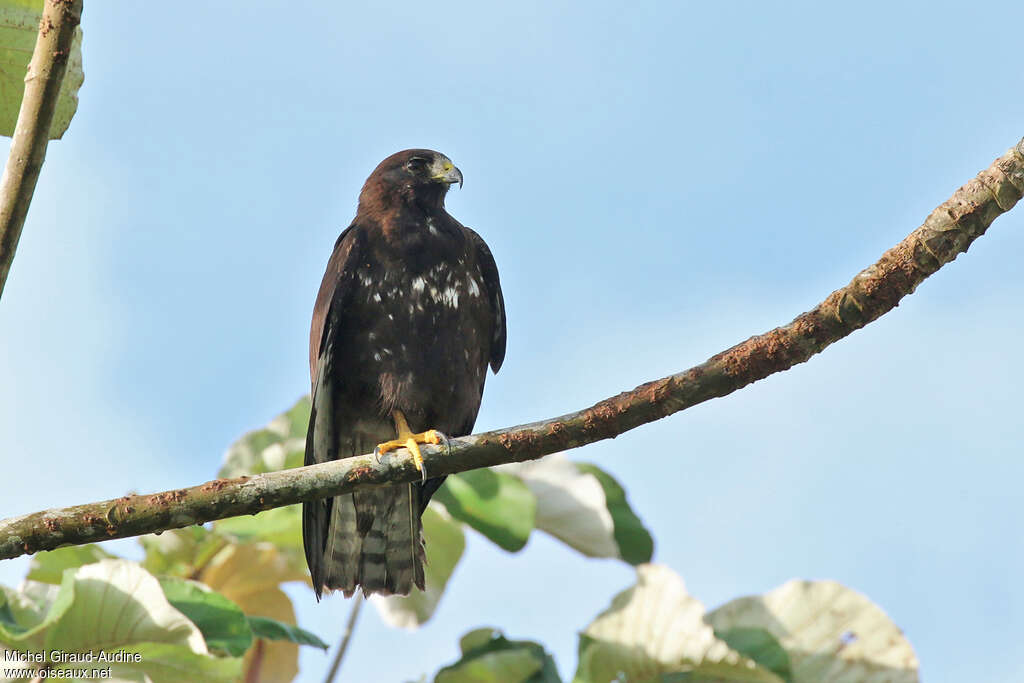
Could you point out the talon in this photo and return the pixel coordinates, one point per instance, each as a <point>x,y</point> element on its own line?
<point>417,458</point>
<point>446,441</point>
<point>406,439</point>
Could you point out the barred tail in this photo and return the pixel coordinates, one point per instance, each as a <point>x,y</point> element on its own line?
<point>374,540</point>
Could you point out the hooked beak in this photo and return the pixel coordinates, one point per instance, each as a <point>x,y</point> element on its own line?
<point>448,173</point>
<point>454,176</point>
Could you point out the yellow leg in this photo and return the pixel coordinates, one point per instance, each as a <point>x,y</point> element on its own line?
<point>406,439</point>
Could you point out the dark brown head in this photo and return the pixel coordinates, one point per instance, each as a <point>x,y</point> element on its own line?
<point>415,178</point>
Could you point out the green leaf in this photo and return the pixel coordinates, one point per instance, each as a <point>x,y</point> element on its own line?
<point>113,607</point>
<point>657,628</point>
<point>280,526</point>
<point>636,545</point>
<point>477,638</point>
<point>828,631</point>
<point>181,552</point>
<point>250,575</point>
<point>489,657</point>
<point>49,566</point>
<point>271,629</point>
<point>7,618</point>
<point>173,663</point>
<point>497,505</point>
<point>762,647</point>
<point>584,507</point>
<point>248,572</point>
<point>19,27</point>
<point>117,603</point>
<point>445,542</point>
<point>221,621</point>
<point>26,615</point>
<point>278,446</point>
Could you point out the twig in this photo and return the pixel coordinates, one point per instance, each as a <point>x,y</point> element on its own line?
<point>350,626</point>
<point>946,233</point>
<point>259,651</point>
<point>32,132</point>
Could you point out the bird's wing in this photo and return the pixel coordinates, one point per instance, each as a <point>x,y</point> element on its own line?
<point>370,538</point>
<point>322,441</point>
<point>334,289</point>
<point>492,285</point>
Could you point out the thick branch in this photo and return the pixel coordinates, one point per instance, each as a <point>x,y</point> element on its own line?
<point>946,233</point>
<point>32,132</point>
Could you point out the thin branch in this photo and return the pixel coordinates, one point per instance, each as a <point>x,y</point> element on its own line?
<point>32,132</point>
<point>259,651</point>
<point>946,233</point>
<point>350,626</point>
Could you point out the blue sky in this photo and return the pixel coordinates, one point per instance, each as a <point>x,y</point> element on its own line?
<point>657,183</point>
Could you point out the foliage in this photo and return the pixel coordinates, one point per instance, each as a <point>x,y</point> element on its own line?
<point>828,631</point>
<point>206,602</point>
<point>498,505</point>
<point>487,655</point>
<point>655,632</point>
<point>223,580</point>
<point>109,607</point>
<point>225,590</point>
<point>580,505</point>
<point>278,446</point>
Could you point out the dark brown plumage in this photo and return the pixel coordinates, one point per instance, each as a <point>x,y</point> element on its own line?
<point>408,317</point>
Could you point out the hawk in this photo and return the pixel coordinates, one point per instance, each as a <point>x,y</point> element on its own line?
<point>408,318</point>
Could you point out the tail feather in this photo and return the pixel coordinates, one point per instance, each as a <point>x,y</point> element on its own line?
<point>405,542</point>
<point>370,538</point>
<point>372,557</point>
<point>387,557</point>
<point>342,547</point>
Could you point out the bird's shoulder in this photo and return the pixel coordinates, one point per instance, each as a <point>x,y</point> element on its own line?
<point>415,241</point>
<point>347,250</point>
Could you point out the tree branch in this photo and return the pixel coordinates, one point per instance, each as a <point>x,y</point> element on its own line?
<point>946,233</point>
<point>32,132</point>
<point>346,637</point>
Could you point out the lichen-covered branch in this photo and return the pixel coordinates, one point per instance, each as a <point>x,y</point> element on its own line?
<point>32,132</point>
<point>946,233</point>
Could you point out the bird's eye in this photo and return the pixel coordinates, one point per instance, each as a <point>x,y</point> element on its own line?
<point>416,164</point>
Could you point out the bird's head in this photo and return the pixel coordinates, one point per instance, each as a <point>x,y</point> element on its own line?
<point>416,177</point>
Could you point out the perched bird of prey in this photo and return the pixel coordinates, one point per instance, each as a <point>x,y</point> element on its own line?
<point>409,316</point>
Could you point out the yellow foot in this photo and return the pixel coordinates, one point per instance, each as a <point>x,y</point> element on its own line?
<point>406,439</point>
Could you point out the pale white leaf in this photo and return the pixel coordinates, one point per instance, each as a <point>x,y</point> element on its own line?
<point>832,633</point>
<point>571,505</point>
<point>654,628</point>
<point>117,602</point>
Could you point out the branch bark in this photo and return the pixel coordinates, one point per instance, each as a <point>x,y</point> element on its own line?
<point>946,233</point>
<point>346,637</point>
<point>32,132</point>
